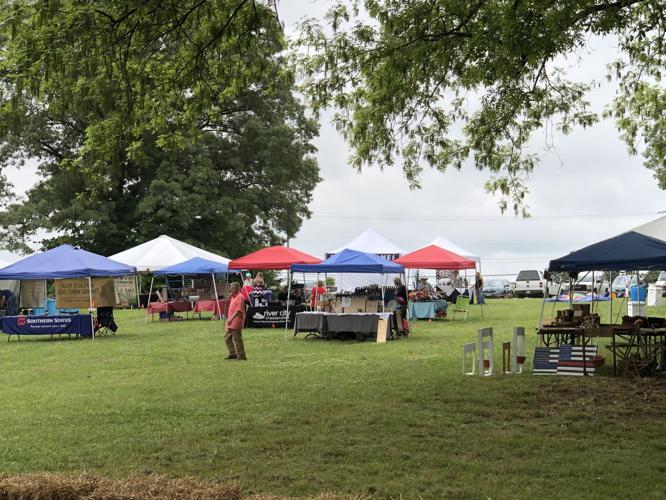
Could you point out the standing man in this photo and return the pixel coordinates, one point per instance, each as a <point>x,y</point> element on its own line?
<point>234,335</point>
<point>8,301</point>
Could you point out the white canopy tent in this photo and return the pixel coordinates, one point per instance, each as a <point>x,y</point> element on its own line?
<point>442,242</point>
<point>369,241</point>
<point>161,252</point>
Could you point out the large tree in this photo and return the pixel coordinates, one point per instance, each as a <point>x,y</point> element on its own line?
<point>442,82</point>
<point>150,117</point>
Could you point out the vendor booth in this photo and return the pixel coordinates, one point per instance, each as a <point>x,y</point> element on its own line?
<point>82,279</point>
<point>369,241</point>
<point>336,322</point>
<point>276,259</point>
<point>203,294</point>
<point>437,258</point>
<point>638,342</point>
<point>159,253</point>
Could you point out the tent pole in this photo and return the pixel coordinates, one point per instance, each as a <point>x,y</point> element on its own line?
<point>384,286</point>
<point>593,283</point>
<point>406,276</point>
<point>610,282</point>
<point>316,295</point>
<point>286,319</point>
<point>150,293</point>
<point>137,288</point>
<point>92,321</point>
<point>227,290</point>
<point>216,308</point>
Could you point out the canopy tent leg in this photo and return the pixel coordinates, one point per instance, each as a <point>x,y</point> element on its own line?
<point>610,282</point>
<point>217,307</point>
<point>286,319</point>
<point>383,287</point>
<point>92,321</point>
<point>137,288</point>
<point>224,327</point>
<point>150,294</point>
<point>316,294</point>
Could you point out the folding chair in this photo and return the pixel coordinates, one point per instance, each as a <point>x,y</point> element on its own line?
<point>104,322</point>
<point>461,306</point>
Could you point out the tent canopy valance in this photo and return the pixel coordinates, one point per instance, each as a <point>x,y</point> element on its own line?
<point>197,265</point>
<point>435,257</point>
<point>273,258</point>
<point>161,252</point>
<point>351,261</point>
<point>64,261</point>
<point>641,248</point>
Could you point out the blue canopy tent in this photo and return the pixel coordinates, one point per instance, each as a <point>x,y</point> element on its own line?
<point>65,261</point>
<point>630,250</point>
<point>642,248</point>
<point>352,261</point>
<point>196,265</point>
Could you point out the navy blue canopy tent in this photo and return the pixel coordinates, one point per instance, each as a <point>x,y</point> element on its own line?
<point>64,261</point>
<point>351,261</point>
<point>641,248</point>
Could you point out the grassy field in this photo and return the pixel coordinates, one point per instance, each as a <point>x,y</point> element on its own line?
<point>302,417</point>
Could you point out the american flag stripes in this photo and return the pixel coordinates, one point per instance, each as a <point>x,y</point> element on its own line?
<point>563,360</point>
<point>545,361</point>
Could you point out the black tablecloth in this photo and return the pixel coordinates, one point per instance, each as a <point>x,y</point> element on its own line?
<point>331,324</point>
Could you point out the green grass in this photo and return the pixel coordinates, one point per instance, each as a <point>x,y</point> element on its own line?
<point>301,417</point>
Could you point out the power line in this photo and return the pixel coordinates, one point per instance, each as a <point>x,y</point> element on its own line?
<point>468,218</point>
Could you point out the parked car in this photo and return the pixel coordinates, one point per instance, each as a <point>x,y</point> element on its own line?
<point>497,288</point>
<point>529,283</point>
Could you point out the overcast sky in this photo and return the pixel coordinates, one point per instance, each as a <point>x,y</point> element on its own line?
<point>590,190</point>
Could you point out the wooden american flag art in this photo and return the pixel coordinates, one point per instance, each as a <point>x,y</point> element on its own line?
<point>564,360</point>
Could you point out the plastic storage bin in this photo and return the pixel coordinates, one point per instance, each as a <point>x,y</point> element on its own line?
<point>637,293</point>
<point>51,307</point>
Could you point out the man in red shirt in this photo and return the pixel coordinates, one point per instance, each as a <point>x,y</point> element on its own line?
<point>317,292</point>
<point>235,322</point>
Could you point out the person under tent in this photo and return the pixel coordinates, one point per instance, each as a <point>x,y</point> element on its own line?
<point>8,301</point>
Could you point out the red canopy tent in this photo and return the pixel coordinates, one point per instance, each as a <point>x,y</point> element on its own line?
<point>434,257</point>
<point>273,258</point>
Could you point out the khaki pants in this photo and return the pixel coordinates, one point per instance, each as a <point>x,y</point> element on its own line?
<point>235,337</point>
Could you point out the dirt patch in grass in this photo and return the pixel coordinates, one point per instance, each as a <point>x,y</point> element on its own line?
<point>135,487</point>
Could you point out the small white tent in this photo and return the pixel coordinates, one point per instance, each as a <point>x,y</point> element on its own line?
<point>442,242</point>
<point>370,241</point>
<point>161,252</point>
